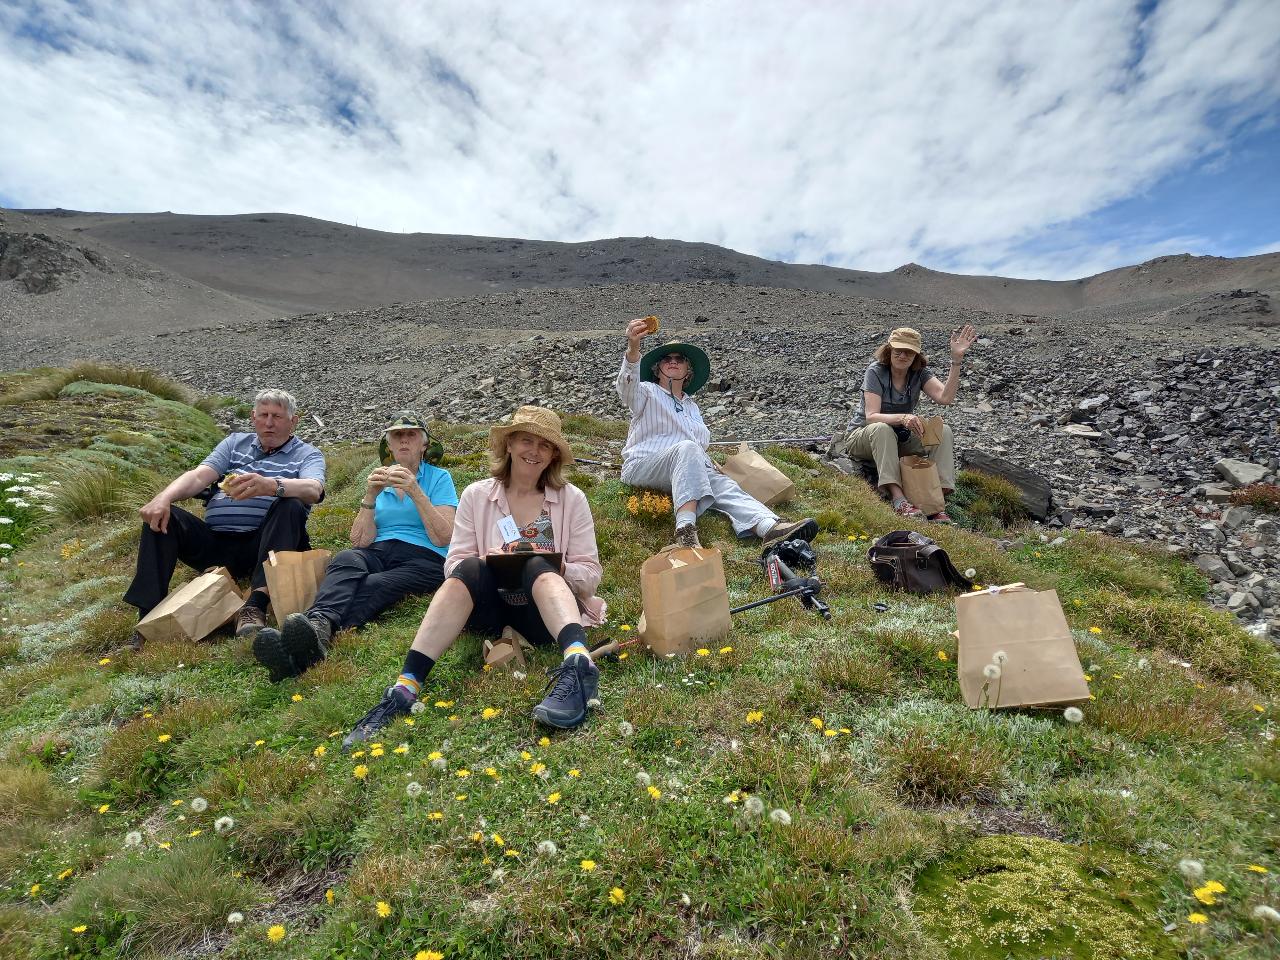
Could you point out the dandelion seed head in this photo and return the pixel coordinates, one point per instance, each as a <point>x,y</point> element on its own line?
<point>223,825</point>
<point>970,573</point>
<point>1073,715</point>
<point>199,804</point>
<point>643,779</point>
<point>547,848</point>
<point>235,917</point>
<point>1266,914</point>
<point>439,763</point>
<point>133,839</point>
<point>1192,870</point>
<point>413,788</point>
<point>991,671</point>
<point>755,806</point>
<point>417,708</point>
<point>999,658</point>
<point>780,817</point>
<point>626,729</point>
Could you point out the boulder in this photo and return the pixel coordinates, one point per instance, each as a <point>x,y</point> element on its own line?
<point>1240,473</point>
<point>1213,567</point>
<point>1036,493</point>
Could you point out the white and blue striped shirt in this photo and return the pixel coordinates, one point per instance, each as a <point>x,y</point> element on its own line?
<point>242,453</point>
<point>658,420</point>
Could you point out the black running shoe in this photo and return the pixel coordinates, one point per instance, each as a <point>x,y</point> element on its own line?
<point>270,651</point>
<point>573,685</point>
<point>395,701</point>
<point>306,639</point>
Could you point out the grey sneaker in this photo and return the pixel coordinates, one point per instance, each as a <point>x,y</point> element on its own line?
<point>805,529</point>
<point>395,701</point>
<point>250,620</point>
<point>573,685</point>
<point>686,537</point>
<point>306,638</point>
<point>270,651</point>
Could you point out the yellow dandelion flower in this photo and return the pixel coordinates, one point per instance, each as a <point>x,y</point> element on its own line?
<point>588,866</point>
<point>537,768</point>
<point>463,773</point>
<point>1259,707</point>
<point>435,815</point>
<point>276,933</point>
<point>377,752</point>
<point>402,749</point>
<point>1253,867</point>
<point>1197,918</point>
<point>164,845</point>
<point>526,755</point>
<point>1205,895</point>
<point>459,796</point>
<point>104,808</point>
<point>544,742</point>
<point>942,655</point>
<point>623,655</point>
<point>296,698</point>
<point>428,955</point>
<point>497,838</point>
<point>511,853</point>
<point>328,896</point>
<point>444,704</point>
<point>487,668</point>
<point>80,929</point>
<point>625,627</point>
<point>617,896</point>
<point>478,837</point>
<point>1213,886</point>
<point>575,772</point>
<point>319,751</point>
<point>69,871</point>
<point>104,661</point>
<point>654,791</point>
<point>435,755</point>
<point>357,754</point>
<point>258,743</point>
<point>703,652</point>
<point>195,833</point>
<point>755,716</point>
<point>383,908</point>
<point>726,649</point>
<point>816,723</point>
<point>1095,629</point>
<point>409,721</point>
<point>148,715</point>
<point>164,738</point>
<point>830,733</point>
<point>35,888</point>
<point>553,798</point>
<point>490,771</point>
<point>360,772</point>
<point>488,713</point>
<point>845,730</point>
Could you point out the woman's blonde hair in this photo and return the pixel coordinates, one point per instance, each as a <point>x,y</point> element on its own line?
<point>552,476</point>
<point>885,351</point>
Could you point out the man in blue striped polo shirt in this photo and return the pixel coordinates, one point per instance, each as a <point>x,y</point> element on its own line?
<point>266,483</point>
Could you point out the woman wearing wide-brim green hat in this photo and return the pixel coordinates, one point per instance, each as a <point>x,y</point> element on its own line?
<point>667,441</point>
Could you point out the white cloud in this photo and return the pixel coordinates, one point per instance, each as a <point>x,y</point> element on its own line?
<point>864,135</point>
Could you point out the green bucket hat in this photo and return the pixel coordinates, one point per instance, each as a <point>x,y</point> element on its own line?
<point>433,452</point>
<point>698,362</point>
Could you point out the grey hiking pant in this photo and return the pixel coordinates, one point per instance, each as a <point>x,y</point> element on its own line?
<point>879,442</point>
<point>687,473</point>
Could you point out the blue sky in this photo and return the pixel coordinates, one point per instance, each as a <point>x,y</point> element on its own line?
<point>1032,139</point>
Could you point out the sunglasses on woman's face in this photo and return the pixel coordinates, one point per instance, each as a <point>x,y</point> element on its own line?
<point>675,358</point>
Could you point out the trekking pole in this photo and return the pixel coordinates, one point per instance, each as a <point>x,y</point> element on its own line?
<point>726,443</point>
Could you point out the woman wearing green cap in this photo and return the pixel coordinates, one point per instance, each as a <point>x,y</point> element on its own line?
<point>399,538</point>
<point>886,427</point>
<point>666,446</point>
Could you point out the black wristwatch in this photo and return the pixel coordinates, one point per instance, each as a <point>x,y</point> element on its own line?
<point>279,488</point>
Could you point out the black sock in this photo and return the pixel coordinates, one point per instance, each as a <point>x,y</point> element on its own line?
<point>417,665</point>
<point>259,599</point>
<point>571,633</point>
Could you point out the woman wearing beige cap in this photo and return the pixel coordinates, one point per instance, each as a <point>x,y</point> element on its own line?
<point>525,506</point>
<point>885,426</point>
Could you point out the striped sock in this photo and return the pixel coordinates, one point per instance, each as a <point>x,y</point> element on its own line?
<point>575,648</point>
<point>573,640</point>
<point>410,683</point>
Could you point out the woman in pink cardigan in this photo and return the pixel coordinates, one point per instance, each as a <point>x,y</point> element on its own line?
<point>526,506</point>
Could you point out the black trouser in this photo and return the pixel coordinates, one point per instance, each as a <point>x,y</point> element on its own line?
<point>494,609</point>
<point>360,583</point>
<point>192,541</point>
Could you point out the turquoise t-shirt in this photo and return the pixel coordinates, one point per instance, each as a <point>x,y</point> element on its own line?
<point>398,519</point>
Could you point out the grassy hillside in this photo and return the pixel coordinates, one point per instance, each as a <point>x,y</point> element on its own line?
<point>808,789</point>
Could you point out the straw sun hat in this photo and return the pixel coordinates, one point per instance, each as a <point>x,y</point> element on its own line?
<point>538,421</point>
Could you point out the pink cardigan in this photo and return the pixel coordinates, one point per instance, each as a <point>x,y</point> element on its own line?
<point>475,533</point>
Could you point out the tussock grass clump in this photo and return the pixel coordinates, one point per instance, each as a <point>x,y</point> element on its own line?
<point>1263,497</point>
<point>90,492</point>
<point>136,763</point>
<point>105,630</point>
<point>986,502</point>
<point>944,766</point>
<point>49,386</point>
<point>28,793</point>
<point>1092,561</point>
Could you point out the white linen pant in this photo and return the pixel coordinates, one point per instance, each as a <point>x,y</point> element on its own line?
<point>687,473</point>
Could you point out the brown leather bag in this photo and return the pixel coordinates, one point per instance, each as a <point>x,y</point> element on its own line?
<point>906,560</point>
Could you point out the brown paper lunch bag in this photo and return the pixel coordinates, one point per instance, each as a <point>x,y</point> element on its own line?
<point>920,483</point>
<point>758,477</point>
<point>1042,667</point>
<point>293,576</point>
<point>195,609</point>
<point>685,600</point>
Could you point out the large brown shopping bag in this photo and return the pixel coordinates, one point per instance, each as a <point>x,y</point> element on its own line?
<point>686,602</point>
<point>195,609</point>
<point>932,435</point>
<point>293,576</point>
<point>920,484</point>
<point>1040,667</point>
<point>758,477</point>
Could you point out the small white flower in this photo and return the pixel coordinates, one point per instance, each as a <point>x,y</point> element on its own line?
<point>643,779</point>
<point>991,671</point>
<point>199,804</point>
<point>780,817</point>
<point>1191,870</point>
<point>735,746</point>
<point>999,658</point>
<point>1266,914</point>
<point>520,675</point>
<point>133,839</point>
<point>414,788</point>
<point>547,848</point>
<point>626,729</point>
<point>224,825</point>
<point>1072,715</point>
<point>755,807</point>
<point>439,763</point>
<point>235,917</point>
<point>418,707</point>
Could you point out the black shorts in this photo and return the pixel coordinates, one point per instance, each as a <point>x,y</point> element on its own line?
<point>494,609</point>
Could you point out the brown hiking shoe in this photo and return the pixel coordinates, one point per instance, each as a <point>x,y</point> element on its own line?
<point>805,529</point>
<point>250,620</point>
<point>686,536</point>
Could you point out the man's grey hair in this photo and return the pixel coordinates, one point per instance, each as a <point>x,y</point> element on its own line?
<point>280,397</point>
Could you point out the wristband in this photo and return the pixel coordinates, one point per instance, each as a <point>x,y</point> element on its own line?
<point>366,506</point>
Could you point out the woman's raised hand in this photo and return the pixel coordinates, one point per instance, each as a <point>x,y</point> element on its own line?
<point>962,340</point>
<point>635,332</point>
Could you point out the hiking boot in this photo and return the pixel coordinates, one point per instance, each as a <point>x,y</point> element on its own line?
<point>250,620</point>
<point>572,686</point>
<point>904,508</point>
<point>686,537</point>
<point>306,638</point>
<point>270,651</point>
<point>395,701</point>
<point>939,517</point>
<point>805,529</point>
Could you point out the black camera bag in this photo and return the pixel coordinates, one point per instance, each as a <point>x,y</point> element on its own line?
<point>906,560</point>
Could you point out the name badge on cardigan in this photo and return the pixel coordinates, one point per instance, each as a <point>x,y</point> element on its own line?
<point>508,529</point>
